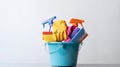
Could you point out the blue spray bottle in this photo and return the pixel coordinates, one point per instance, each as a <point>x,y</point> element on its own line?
<point>49,21</point>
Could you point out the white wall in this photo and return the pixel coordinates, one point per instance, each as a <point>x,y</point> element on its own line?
<point>20,29</point>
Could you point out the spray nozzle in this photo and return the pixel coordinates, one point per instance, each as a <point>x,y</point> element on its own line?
<point>75,21</point>
<point>49,21</point>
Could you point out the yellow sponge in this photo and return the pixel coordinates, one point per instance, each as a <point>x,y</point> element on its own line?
<point>48,38</point>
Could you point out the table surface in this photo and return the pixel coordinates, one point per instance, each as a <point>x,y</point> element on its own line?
<point>48,65</point>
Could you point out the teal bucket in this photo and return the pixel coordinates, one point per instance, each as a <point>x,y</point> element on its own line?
<point>63,54</point>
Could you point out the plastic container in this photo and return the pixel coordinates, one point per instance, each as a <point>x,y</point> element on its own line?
<point>63,54</point>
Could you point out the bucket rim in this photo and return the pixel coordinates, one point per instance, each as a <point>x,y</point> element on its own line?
<point>66,42</point>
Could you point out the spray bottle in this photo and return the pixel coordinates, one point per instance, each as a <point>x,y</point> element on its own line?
<point>49,21</point>
<point>48,35</point>
<point>75,22</point>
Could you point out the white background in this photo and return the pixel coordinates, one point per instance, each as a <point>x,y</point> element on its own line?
<point>20,29</point>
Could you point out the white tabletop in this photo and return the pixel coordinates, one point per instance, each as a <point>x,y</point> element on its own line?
<point>48,65</point>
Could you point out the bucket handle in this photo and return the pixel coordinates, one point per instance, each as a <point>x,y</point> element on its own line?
<point>81,44</point>
<point>60,46</point>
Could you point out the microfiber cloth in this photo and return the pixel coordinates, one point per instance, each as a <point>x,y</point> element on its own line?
<point>74,32</point>
<point>78,35</point>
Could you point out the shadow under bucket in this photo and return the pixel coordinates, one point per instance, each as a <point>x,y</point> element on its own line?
<point>63,54</point>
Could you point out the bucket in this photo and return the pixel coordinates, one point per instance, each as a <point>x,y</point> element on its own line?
<point>63,54</point>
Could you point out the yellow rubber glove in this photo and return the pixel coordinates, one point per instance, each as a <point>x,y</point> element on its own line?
<point>59,30</point>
